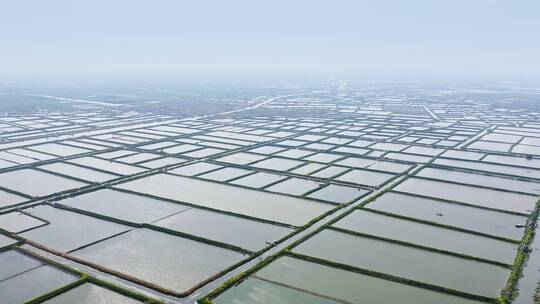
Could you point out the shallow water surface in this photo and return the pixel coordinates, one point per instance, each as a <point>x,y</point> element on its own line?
<point>403,261</point>
<point>69,230</point>
<point>430,236</point>
<point>37,183</point>
<point>33,283</point>
<point>274,207</point>
<point>88,293</point>
<point>311,279</point>
<point>470,218</point>
<point>514,202</point>
<point>172,262</point>
<point>248,234</point>
<point>124,206</point>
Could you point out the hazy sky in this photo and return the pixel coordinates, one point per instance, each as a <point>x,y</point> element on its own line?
<point>231,37</point>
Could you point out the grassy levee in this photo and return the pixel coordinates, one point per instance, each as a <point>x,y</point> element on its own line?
<point>58,291</point>
<point>238,279</point>
<point>510,291</point>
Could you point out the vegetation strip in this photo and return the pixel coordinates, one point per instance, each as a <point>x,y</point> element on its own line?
<point>510,291</point>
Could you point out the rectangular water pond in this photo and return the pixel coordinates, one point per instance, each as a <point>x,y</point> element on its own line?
<point>124,206</point>
<point>79,172</point>
<point>294,153</point>
<point>6,241</point>
<point>174,263</point>
<point>181,149</point>
<point>337,194</point>
<point>475,219</point>
<point>408,157</point>
<point>195,169</point>
<point>107,165</point>
<point>274,207</point>
<point>460,154</point>
<point>490,146</point>
<point>16,222</point>
<point>202,153</point>
<point>365,177</point>
<point>7,199</point>
<point>258,291</point>
<point>323,157</point>
<point>37,183</point>
<point>33,283</point>
<point>407,262</point>
<point>88,293</point>
<point>241,158</point>
<point>294,186</point>
<point>225,174</point>
<point>237,231</point>
<point>258,180</point>
<point>31,154</point>
<point>290,280</point>
<point>308,168</point>
<point>267,150</point>
<point>279,164</point>
<point>162,162</point>
<point>329,172</point>
<point>483,180</point>
<point>69,230</point>
<point>429,236</point>
<point>488,167</point>
<point>14,262</point>
<point>58,149</point>
<point>513,161</point>
<point>137,158</point>
<point>508,201</point>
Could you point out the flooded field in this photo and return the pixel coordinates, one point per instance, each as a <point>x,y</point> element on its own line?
<point>454,215</point>
<point>483,197</point>
<point>37,183</point>
<point>113,203</point>
<point>411,263</point>
<point>291,280</point>
<point>248,234</point>
<point>173,263</point>
<point>408,231</point>
<point>90,293</point>
<point>267,206</point>
<point>327,196</point>
<point>23,278</point>
<point>67,231</point>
